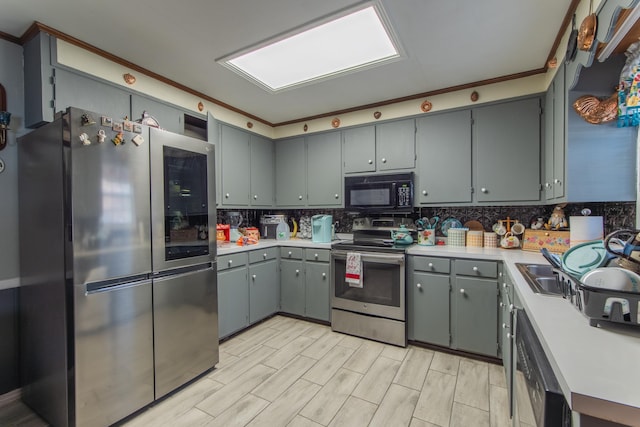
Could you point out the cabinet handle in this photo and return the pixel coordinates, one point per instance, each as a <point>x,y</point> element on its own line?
<point>255,197</point>
<point>430,265</point>
<point>475,268</point>
<point>501,304</point>
<point>230,261</point>
<point>384,160</point>
<point>424,192</point>
<point>500,274</point>
<point>226,195</point>
<point>484,190</point>
<point>504,285</point>
<point>547,185</point>
<point>299,197</point>
<point>505,326</point>
<point>370,162</point>
<point>509,335</point>
<point>289,253</point>
<point>297,272</point>
<point>418,285</point>
<point>253,276</point>
<point>324,275</point>
<point>511,307</point>
<point>556,181</point>
<point>264,255</point>
<point>462,291</point>
<point>336,195</point>
<point>316,256</point>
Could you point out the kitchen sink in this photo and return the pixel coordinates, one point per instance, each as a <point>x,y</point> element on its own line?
<point>541,278</point>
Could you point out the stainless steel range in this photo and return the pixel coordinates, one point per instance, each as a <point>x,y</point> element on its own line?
<point>370,301</point>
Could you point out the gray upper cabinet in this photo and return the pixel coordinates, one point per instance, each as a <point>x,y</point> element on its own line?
<point>168,117</point>
<point>396,145</point>
<point>38,80</point>
<point>291,172</point>
<point>234,162</point>
<point>262,172</point>
<point>444,158</point>
<point>74,90</point>
<point>554,137</point>
<point>383,147</point>
<point>324,169</point>
<point>507,151</point>
<point>359,149</point>
<point>213,136</point>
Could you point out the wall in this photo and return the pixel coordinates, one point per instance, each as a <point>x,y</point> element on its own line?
<point>11,79</point>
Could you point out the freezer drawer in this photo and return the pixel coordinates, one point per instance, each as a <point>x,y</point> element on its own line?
<point>185,315</point>
<point>113,351</point>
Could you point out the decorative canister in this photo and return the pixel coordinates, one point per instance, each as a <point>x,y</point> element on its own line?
<point>490,239</point>
<point>427,237</point>
<point>474,238</point>
<point>456,236</point>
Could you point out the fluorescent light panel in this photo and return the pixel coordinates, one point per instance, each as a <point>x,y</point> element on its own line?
<point>353,41</point>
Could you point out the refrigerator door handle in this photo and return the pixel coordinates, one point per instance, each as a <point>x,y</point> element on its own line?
<point>95,288</point>
<point>181,272</point>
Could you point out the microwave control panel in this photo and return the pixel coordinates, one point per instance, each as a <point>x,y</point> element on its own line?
<point>404,195</point>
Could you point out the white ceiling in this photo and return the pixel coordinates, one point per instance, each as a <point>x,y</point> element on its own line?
<point>446,42</point>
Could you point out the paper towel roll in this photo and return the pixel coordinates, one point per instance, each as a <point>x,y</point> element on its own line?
<point>585,229</point>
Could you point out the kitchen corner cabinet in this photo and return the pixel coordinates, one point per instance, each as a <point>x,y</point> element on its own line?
<point>507,151</point>
<point>474,307</point>
<point>555,112</point>
<point>429,288</point>
<point>383,147</point>
<point>304,282</point>
<point>324,169</point>
<point>246,163</point>
<point>291,172</point>
<point>443,143</point>
<point>233,294</point>
<point>264,284</point>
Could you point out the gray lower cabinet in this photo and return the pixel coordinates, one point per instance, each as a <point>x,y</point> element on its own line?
<point>507,151</point>
<point>305,282</point>
<point>233,294</point>
<point>444,158</point>
<point>264,284</point>
<point>474,307</point>
<point>428,308</point>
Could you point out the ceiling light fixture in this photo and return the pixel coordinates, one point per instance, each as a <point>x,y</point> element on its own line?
<point>348,42</point>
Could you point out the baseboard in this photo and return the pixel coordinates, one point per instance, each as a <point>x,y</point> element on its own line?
<point>11,396</point>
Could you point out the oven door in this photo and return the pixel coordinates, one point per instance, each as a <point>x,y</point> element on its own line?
<point>383,289</point>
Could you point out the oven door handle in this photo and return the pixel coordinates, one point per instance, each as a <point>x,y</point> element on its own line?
<point>369,256</point>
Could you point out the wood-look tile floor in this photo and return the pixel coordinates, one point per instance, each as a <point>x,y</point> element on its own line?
<point>289,372</point>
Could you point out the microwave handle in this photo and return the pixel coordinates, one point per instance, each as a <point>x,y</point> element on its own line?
<point>394,195</point>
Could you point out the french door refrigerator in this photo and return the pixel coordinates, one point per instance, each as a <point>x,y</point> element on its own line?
<point>118,297</point>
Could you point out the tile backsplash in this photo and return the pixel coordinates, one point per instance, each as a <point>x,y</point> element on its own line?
<point>617,215</point>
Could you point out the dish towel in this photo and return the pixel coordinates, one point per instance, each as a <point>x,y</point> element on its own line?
<point>353,273</point>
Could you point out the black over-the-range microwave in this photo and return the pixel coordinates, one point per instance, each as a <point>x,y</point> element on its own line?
<point>379,193</point>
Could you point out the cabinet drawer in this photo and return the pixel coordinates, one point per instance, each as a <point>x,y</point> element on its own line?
<point>469,267</point>
<point>321,255</point>
<point>263,255</point>
<point>431,264</point>
<point>290,253</point>
<point>226,262</point>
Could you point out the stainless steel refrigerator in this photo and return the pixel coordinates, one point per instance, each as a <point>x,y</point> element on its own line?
<point>118,297</point>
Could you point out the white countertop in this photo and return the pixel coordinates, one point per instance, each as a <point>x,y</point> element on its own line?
<point>598,368</point>
<point>230,248</point>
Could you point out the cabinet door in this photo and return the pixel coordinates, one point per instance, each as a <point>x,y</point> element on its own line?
<point>444,153</point>
<point>234,159</point>
<point>264,290</point>
<point>169,118</point>
<point>291,173</point>
<point>262,171</point>
<point>38,84</point>
<point>428,307</point>
<point>547,185</point>
<point>559,133</point>
<point>507,151</point>
<point>233,301</point>
<point>324,170</point>
<point>396,145</point>
<point>74,90</point>
<point>359,149</point>
<point>317,290</point>
<point>474,325</point>
<point>292,281</point>
<point>213,135</point>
